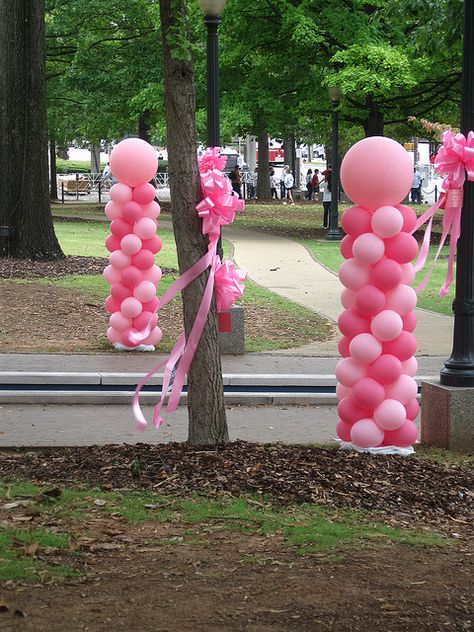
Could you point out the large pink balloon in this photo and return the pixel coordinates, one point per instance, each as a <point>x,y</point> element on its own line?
<point>144,194</point>
<point>402,248</point>
<point>368,248</point>
<point>366,434</point>
<point>386,274</point>
<point>390,415</point>
<point>353,274</point>
<point>387,221</point>
<point>404,389</point>
<point>402,437</point>
<point>402,299</point>
<point>120,193</point>
<point>365,348</point>
<point>351,323</point>
<point>370,300</point>
<point>356,220</point>
<point>348,371</point>
<point>386,369</point>
<point>376,171</point>
<point>133,161</point>
<point>368,393</point>
<point>386,325</point>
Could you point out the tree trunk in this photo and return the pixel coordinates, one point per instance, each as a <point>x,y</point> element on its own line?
<point>95,158</point>
<point>53,182</point>
<point>373,125</point>
<point>207,417</point>
<point>289,149</point>
<point>62,152</point>
<point>144,126</point>
<point>263,180</point>
<point>24,186</point>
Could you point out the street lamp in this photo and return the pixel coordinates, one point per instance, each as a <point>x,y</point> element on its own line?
<point>212,10</point>
<point>459,369</point>
<point>333,233</point>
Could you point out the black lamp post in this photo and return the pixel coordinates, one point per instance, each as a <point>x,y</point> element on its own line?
<point>333,233</point>
<point>212,10</point>
<point>459,369</point>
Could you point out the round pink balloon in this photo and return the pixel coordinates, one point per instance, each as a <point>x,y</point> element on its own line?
<point>153,274</point>
<point>404,389</point>
<point>386,325</point>
<point>386,274</point>
<point>376,171</point>
<point>126,337</point>
<point>409,218</point>
<point>112,275</point>
<point>144,194</point>
<point>409,322</point>
<point>370,300</point>
<point>145,318</point>
<point>387,221</point>
<point>343,391</point>
<point>368,393</point>
<point>132,276</point>
<point>154,244</point>
<point>120,193</point>
<point>112,304</point>
<point>403,248</point>
<point>133,161</point>
<point>346,246</point>
<point>145,228</point>
<point>413,408</point>
<point>403,437</point>
<point>155,337</point>
<point>131,244</point>
<point>132,211</point>
<point>390,415</point>
<point>356,220</point>
<point>351,323</point>
<point>120,291</point>
<point>343,431</point>
<point>114,335</point>
<point>348,371</point>
<point>113,210</point>
<point>112,243</point>
<point>343,347</point>
<point>368,248</point>
<point>144,260</point>
<point>366,434</point>
<point>365,348</point>
<point>131,307</point>
<point>120,228</point>
<point>402,299</point>
<point>150,306</point>
<point>119,259</point>
<point>145,291</point>
<point>151,210</point>
<point>410,366</point>
<point>348,298</point>
<point>353,274</point>
<point>402,347</point>
<point>350,412</point>
<point>119,321</point>
<point>386,369</point>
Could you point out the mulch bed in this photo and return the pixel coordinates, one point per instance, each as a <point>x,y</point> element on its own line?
<point>407,491</point>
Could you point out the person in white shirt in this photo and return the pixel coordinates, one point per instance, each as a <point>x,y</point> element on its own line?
<point>273,185</point>
<point>326,186</point>
<point>289,183</point>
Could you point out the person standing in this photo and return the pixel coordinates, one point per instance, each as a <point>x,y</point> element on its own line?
<point>309,185</point>
<point>289,183</point>
<point>315,185</point>
<point>326,186</point>
<point>235,177</point>
<point>416,186</point>
<point>282,183</point>
<point>273,185</point>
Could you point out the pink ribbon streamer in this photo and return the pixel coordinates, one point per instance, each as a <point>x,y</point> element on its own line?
<point>219,206</point>
<point>455,160</point>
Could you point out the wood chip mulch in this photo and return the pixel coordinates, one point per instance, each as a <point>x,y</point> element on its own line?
<point>408,491</point>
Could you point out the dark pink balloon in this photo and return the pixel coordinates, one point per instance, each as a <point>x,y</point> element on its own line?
<point>409,218</point>
<point>409,322</point>
<point>346,246</point>
<point>386,274</point>
<point>350,412</point>
<point>112,304</point>
<point>153,244</point>
<point>142,321</point>
<point>131,276</point>
<point>413,408</point>
<point>120,227</point>
<point>127,341</point>
<point>402,437</point>
<point>143,259</point>
<point>343,347</point>
<point>132,211</point>
<point>351,322</point>
<point>368,393</point>
<point>150,306</point>
<point>120,291</point>
<point>402,347</point>
<point>370,300</point>
<point>112,243</point>
<point>356,220</point>
<point>403,248</point>
<point>386,369</point>
<point>343,431</point>
<point>144,194</point>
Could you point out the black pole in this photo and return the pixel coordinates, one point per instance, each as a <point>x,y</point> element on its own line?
<point>459,369</point>
<point>333,233</point>
<point>213,128</point>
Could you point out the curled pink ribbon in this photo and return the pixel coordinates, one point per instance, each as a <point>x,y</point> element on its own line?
<point>455,160</point>
<point>218,208</point>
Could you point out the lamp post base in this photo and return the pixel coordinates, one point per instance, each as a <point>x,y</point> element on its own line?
<point>333,234</point>
<point>462,375</point>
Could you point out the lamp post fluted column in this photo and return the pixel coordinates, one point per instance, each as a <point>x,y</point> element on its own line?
<point>334,233</point>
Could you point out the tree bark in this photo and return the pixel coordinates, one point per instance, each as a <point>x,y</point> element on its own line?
<point>144,126</point>
<point>53,182</point>
<point>207,417</point>
<point>373,125</point>
<point>263,180</point>
<point>289,149</point>
<point>24,186</point>
<point>95,158</point>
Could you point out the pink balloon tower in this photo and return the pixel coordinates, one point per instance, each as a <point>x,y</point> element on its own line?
<point>132,244</point>
<point>376,386</point>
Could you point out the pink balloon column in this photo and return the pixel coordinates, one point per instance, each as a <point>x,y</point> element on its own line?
<point>132,244</point>
<point>376,388</point>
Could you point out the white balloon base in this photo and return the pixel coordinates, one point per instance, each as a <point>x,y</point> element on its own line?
<point>120,347</point>
<point>386,449</point>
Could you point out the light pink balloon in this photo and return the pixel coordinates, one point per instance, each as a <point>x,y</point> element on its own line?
<point>144,194</point>
<point>356,220</point>
<point>131,244</point>
<point>408,273</point>
<point>131,307</point>
<point>368,393</point>
<point>401,300</point>
<point>153,274</point>
<point>390,415</point>
<point>348,371</point>
<point>386,274</point>
<point>113,210</point>
<point>119,259</point>
<point>353,274</point>
<point>151,210</point>
<point>368,248</point>
<point>145,227</point>
<point>386,325</point>
<point>133,161</point>
<point>155,337</point>
<point>342,391</point>
<point>120,193</point>
<point>348,298</point>
<point>132,211</point>
<point>404,389</point>
<point>114,335</point>
<point>366,434</point>
<point>343,431</point>
<point>402,437</point>
<point>410,366</point>
<point>112,275</point>
<point>145,291</point>
<point>120,322</point>
<point>376,171</point>
<point>387,221</point>
<point>365,348</point>
<point>370,300</point>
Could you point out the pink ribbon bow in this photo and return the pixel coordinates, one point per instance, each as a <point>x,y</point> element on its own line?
<point>212,159</point>
<point>454,160</point>
<point>229,284</point>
